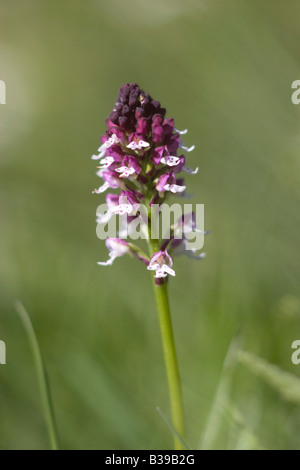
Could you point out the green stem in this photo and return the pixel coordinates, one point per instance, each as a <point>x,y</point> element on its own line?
<point>171,362</point>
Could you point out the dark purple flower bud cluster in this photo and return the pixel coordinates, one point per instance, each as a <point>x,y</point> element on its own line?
<point>133,104</point>
<point>139,150</point>
<point>141,154</point>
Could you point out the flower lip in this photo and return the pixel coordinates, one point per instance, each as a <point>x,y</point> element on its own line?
<point>168,182</point>
<point>128,203</point>
<point>137,142</point>
<point>170,160</point>
<point>125,171</point>
<point>106,162</point>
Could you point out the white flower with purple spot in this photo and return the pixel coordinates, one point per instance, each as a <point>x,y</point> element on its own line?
<point>138,145</point>
<point>116,248</point>
<point>128,204</point>
<point>170,160</point>
<point>168,182</point>
<point>122,209</point>
<point>112,200</point>
<point>161,263</point>
<point>111,180</point>
<point>105,146</point>
<point>125,171</point>
<point>174,188</point>
<point>106,162</point>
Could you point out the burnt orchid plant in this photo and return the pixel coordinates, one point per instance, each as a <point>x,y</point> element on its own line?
<point>141,154</point>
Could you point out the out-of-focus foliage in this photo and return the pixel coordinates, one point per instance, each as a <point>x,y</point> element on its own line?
<point>223,69</point>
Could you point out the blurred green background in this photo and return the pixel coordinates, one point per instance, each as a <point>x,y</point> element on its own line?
<point>223,69</point>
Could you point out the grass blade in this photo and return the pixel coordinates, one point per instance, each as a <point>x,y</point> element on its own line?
<point>41,374</point>
<point>221,399</point>
<point>171,427</point>
<point>286,384</point>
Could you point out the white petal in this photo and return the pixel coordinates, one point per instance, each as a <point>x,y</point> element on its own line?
<point>104,218</point>
<point>116,250</point>
<point>174,188</point>
<point>107,161</point>
<point>114,139</point>
<point>132,146</point>
<point>109,262</point>
<point>123,233</point>
<point>160,273</point>
<point>102,188</point>
<point>138,145</point>
<point>142,143</point>
<point>111,141</point>
<point>153,267</point>
<point>100,172</point>
<point>170,160</point>
<point>101,155</point>
<point>168,270</point>
<point>121,169</point>
<point>103,148</point>
<point>190,171</point>
<point>193,255</point>
<point>187,149</point>
<point>181,132</point>
<point>125,171</point>
<point>122,209</point>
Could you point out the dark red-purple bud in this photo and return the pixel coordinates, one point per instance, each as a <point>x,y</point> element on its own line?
<point>114,116</point>
<point>125,92</point>
<point>168,127</point>
<point>157,120</point>
<point>139,112</point>
<point>133,104</point>
<point>156,105</point>
<point>124,122</point>
<point>157,133</point>
<point>142,126</point>
<point>126,110</point>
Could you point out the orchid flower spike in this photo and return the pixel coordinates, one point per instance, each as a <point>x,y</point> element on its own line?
<point>140,156</point>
